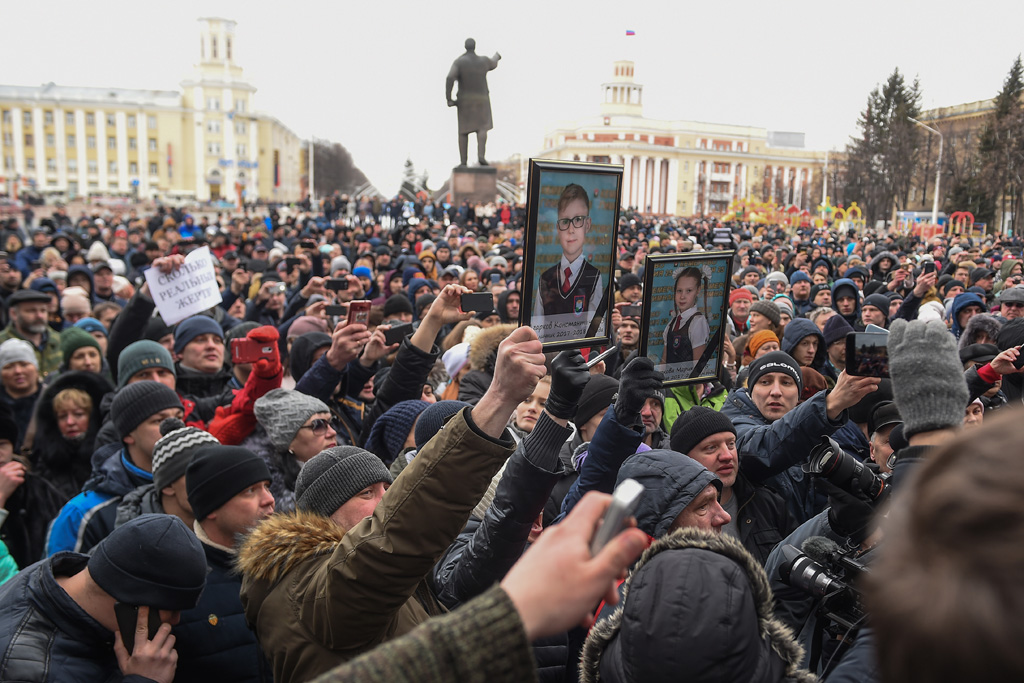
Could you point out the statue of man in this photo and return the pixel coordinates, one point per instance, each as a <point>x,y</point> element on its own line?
<point>474,101</point>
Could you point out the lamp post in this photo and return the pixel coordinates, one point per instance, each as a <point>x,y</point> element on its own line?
<point>938,171</point>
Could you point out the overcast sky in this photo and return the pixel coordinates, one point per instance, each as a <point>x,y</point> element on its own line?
<point>371,75</point>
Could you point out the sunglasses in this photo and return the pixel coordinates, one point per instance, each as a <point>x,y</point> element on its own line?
<point>319,426</point>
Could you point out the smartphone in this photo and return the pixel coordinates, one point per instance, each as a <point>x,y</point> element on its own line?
<point>624,502</point>
<point>607,353</point>
<point>397,333</point>
<point>927,267</point>
<point>336,309</point>
<point>245,350</point>
<point>1019,363</point>
<point>242,267</point>
<point>128,617</point>
<point>495,278</point>
<point>337,284</point>
<point>867,354</point>
<point>477,302</point>
<point>359,312</point>
<point>631,311</point>
<point>291,262</point>
<point>307,244</point>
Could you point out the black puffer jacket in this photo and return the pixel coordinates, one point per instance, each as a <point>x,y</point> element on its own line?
<point>762,518</point>
<point>697,607</point>
<point>30,509</point>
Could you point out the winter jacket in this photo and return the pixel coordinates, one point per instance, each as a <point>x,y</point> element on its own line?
<point>29,511</point>
<point>128,326</point>
<point>321,380</point>
<point>67,464</point>
<point>212,639</point>
<point>697,607</point>
<point>204,384</point>
<point>8,567</point>
<point>772,452</point>
<point>762,518</point>
<point>46,637</point>
<point>21,410</point>
<point>483,642</point>
<point>284,469</point>
<point>553,508</point>
<point>483,354</point>
<point>796,331</point>
<point>680,399</point>
<point>145,500</point>
<point>317,595</point>
<point>89,517</point>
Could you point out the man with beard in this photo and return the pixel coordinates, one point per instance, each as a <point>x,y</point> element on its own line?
<point>29,312</point>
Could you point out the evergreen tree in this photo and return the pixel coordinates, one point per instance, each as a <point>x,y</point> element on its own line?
<point>1001,150</point>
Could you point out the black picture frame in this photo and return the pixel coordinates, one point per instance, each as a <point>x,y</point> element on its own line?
<point>657,342</point>
<point>581,316</point>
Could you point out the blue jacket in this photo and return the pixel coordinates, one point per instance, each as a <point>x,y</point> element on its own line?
<point>89,517</point>
<point>46,637</point>
<point>24,258</point>
<point>961,302</point>
<point>771,452</point>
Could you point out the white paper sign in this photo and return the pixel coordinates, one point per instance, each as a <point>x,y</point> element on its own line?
<point>187,291</point>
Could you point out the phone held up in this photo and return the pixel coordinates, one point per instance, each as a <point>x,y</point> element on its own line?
<point>624,501</point>
<point>867,354</point>
<point>245,350</point>
<point>359,312</point>
<point>127,617</point>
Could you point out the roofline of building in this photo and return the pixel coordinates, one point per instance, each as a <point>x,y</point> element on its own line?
<point>633,146</point>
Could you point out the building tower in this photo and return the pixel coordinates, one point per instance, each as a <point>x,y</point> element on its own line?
<point>622,96</point>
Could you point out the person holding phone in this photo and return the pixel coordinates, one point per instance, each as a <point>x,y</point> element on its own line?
<point>60,614</point>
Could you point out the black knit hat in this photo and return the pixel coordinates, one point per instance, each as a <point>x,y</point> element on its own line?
<point>836,329</point>
<point>597,395</point>
<point>776,361</point>
<point>138,401</point>
<point>628,280</point>
<point>151,560</point>
<point>695,425</point>
<point>331,477</point>
<point>433,418</point>
<point>217,473</point>
<point>397,303</point>
<point>879,301</point>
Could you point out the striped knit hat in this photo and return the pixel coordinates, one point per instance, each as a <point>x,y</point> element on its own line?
<point>174,451</point>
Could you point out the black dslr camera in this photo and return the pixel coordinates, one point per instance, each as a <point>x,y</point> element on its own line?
<point>830,461</point>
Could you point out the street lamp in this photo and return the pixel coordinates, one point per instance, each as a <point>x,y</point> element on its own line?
<point>938,171</point>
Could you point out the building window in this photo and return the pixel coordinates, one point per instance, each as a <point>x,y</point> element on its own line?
<point>8,163</point>
<point>90,119</point>
<point>240,149</point>
<point>213,148</point>
<point>213,47</point>
<point>26,118</point>
<point>71,141</point>
<point>133,168</point>
<point>92,165</point>
<point>213,103</point>
<point>240,105</point>
<point>9,139</point>
<point>112,185</point>
<point>30,163</point>
<point>240,127</point>
<point>227,47</point>
<point>153,168</point>
<point>90,141</point>
<point>111,142</point>
<point>132,143</point>
<point>93,185</point>
<point>151,122</point>
<point>50,140</point>
<point>28,140</point>
<point>131,121</point>
<point>112,167</point>
<point>69,118</point>
<point>48,117</point>
<point>7,116</point>
<point>213,126</point>
<point>73,165</point>
<point>51,165</point>
<point>152,144</point>
<point>111,120</point>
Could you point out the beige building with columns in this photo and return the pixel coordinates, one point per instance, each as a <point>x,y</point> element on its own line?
<point>204,143</point>
<point>686,168</point>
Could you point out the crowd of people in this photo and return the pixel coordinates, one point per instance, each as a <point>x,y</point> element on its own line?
<point>412,495</point>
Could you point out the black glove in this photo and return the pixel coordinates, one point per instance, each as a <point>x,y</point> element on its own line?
<point>569,374</point>
<point>848,514</point>
<point>639,382</point>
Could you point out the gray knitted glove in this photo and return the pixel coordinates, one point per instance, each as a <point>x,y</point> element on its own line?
<point>927,377</point>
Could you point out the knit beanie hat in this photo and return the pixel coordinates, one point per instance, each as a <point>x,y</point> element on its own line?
<point>136,402</point>
<point>306,323</point>
<point>156,329</point>
<point>695,425</point>
<point>74,303</point>
<point>836,329</point>
<point>597,395</point>
<point>391,429</point>
<point>174,450</point>
<point>238,331</point>
<point>397,303</point>
<point>73,339</point>
<point>433,418</point>
<point>190,328</point>
<point>333,476</point>
<point>799,276</point>
<point>628,280</point>
<point>879,301</point>
<point>151,560</point>
<point>455,358</point>
<point>776,361</point>
<point>91,325</point>
<point>282,413</point>
<point>785,304</point>
<point>142,355</point>
<point>217,473</point>
<point>927,377</point>
<point>768,310</point>
<point>740,293</point>
<point>17,351</point>
<point>759,339</point>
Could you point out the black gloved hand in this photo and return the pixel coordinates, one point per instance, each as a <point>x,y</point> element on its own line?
<point>569,374</point>
<point>848,514</point>
<point>639,382</point>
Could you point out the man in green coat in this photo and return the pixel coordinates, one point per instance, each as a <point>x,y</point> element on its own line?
<point>29,313</point>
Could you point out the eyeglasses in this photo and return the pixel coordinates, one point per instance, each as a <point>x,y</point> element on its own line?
<point>1013,304</point>
<point>319,426</point>
<point>576,221</point>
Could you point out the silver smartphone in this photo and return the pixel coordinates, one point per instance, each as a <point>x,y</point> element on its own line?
<point>624,502</point>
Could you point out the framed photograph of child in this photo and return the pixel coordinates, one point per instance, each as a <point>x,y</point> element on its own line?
<point>569,252</point>
<point>686,297</point>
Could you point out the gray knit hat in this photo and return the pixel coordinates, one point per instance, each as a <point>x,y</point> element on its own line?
<point>282,413</point>
<point>768,310</point>
<point>331,477</point>
<point>142,355</point>
<point>17,351</point>
<point>174,451</point>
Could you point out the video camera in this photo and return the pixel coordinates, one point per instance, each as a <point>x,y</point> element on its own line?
<point>829,574</point>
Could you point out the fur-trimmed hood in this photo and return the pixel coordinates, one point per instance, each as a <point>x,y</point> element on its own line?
<point>283,541</point>
<point>697,606</point>
<point>982,322</point>
<point>876,262</point>
<point>483,350</point>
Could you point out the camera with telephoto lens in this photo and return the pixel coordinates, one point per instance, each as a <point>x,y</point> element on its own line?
<point>830,461</point>
<point>829,574</point>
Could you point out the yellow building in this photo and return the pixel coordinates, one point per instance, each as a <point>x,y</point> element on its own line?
<point>686,168</point>
<point>205,143</point>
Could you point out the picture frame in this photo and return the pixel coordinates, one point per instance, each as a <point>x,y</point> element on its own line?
<point>671,338</point>
<point>575,311</point>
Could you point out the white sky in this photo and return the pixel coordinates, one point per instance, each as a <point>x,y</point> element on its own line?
<point>371,75</point>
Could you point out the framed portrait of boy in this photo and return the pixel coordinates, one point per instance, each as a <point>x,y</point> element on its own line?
<point>569,252</point>
<point>686,298</point>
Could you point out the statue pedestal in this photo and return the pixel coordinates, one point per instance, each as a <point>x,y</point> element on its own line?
<point>475,184</point>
